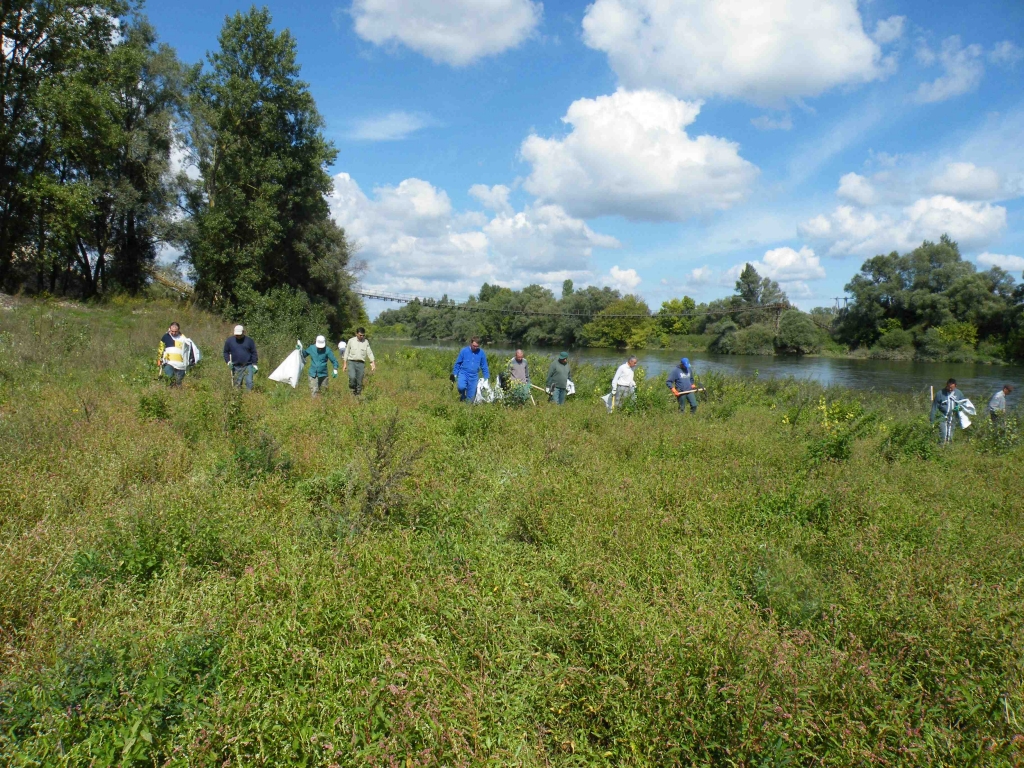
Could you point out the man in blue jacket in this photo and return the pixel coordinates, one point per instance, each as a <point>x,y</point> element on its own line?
<point>241,357</point>
<point>466,371</point>
<point>318,355</point>
<point>680,381</point>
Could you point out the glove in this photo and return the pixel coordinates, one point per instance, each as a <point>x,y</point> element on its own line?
<point>452,378</point>
<point>335,373</point>
<point>298,345</point>
<point>228,364</point>
<point>255,368</point>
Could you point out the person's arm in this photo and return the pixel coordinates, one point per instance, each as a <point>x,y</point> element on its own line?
<point>227,350</point>
<point>255,354</point>
<point>551,376</point>
<point>457,365</point>
<point>333,359</point>
<point>526,369</point>
<point>935,407</point>
<point>483,364</point>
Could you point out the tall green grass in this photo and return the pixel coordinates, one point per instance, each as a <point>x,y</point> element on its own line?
<point>201,577</point>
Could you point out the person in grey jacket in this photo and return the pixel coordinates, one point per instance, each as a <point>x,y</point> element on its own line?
<point>558,379</point>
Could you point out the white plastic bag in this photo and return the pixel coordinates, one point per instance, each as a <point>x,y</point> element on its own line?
<point>570,388</point>
<point>966,406</point>
<point>196,354</point>
<point>484,393</point>
<point>964,421</point>
<point>289,371</point>
<point>607,400</point>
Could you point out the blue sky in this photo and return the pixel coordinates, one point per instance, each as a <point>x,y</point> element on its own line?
<point>657,145</point>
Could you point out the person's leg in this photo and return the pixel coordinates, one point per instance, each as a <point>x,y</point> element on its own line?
<point>314,386</point>
<point>471,382</point>
<point>248,377</point>
<point>237,374</point>
<point>360,371</point>
<point>178,377</point>
<point>352,376</point>
<point>559,396</point>
<point>691,398</point>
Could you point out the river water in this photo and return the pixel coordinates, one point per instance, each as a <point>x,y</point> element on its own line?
<point>978,382</point>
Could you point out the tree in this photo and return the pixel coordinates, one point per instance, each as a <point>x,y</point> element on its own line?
<point>677,325</point>
<point>624,324</point>
<point>260,217</point>
<point>754,292</point>
<point>797,333</point>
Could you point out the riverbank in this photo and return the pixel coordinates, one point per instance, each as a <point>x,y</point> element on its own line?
<point>794,575</point>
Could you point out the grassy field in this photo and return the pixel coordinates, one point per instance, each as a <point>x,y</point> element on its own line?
<point>795,576</point>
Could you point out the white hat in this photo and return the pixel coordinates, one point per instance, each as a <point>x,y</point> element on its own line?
<point>321,342</point>
<point>239,330</point>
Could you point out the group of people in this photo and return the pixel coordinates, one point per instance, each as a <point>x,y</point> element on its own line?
<point>177,353</point>
<point>471,362</point>
<point>951,408</point>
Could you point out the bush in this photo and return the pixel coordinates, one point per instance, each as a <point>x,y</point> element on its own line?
<point>756,339</point>
<point>896,339</point>
<point>798,335</point>
<point>154,406</point>
<point>908,440</point>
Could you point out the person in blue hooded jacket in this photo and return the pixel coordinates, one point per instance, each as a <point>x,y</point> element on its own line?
<point>680,381</point>
<point>466,371</point>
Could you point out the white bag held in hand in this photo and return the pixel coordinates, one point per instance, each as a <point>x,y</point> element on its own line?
<point>289,371</point>
<point>964,421</point>
<point>484,393</point>
<point>570,388</point>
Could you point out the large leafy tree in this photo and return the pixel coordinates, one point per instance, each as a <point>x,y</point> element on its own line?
<point>626,323</point>
<point>676,316</point>
<point>755,295</point>
<point>260,217</point>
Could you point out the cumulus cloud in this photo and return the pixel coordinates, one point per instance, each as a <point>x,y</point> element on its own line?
<point>889,30</point>
<point>852,231</point>
<point>492,198</point>
<point>966,180</point>
<point>856,189</point>
<point>625,280</point>
<point>415,242</point>
<point>785,49</point>
<point>1006,53</point>
<point>456,32</point>
<point>1002,260</point>
<point>700,276</point>
<point>629,154</point>
<point>394,126</point>
<point>787,265</point>
<point>963,70</point>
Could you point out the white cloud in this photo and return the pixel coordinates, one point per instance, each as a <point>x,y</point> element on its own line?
<point>492,198</point>
<point>966,180</point>
<point>413,241</point>
<point>1005,261</point>
<point>1006,53</point>
<point>787,265</point>
<point>851,231</point>
<point>856,189</point>
<point>963,71</point>
<point>767,123</point>
<point>889,30</point>
<point>700,276</point>
<point>455,32</point>
<point>764,53</point>
<point>629,154</point>
<point>394,126</point>
<point>625,280</point>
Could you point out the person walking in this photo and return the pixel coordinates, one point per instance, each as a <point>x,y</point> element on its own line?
<point>558,379</point>
<point>241,356</point>
<point>519,368</point>
<point>357,353</point>
<point>623,384</point>
<point>175,354</point>
<point>680,382</point>
<point>947,403</point>
<point>997,405</point>
<point>318,355</point>
<point>466,370</point>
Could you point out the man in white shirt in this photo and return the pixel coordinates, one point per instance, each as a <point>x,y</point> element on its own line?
<point>623,383</point>
<point>997,405</point>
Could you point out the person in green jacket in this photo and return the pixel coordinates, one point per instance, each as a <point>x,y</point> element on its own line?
<point>558,379</point>
<point>318,355</point>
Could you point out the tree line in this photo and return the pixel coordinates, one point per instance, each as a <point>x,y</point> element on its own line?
<point>112,149</point>
<point>929,304</point>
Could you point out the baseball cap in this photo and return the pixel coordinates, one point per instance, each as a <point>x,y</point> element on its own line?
<point>321,342</point>
<point>685,361</point>
<point>563,356</point>
<point>239,330</point>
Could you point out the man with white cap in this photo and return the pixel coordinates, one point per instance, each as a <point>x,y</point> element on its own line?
<point>318,355</point>
<point>241,357</point>
<point>357,354</point>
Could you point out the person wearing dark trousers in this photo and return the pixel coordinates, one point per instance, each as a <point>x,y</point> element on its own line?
<point>558,379</point>
<point>241,356</point>
<point>680,382</point>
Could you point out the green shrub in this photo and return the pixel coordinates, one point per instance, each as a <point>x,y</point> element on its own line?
<point>261,455</point>
<point>798,335</point>
<point>909,439</point>
<point>756,339</point>
<point>154,406</point>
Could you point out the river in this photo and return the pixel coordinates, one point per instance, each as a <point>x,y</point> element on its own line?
<point>978,382</point>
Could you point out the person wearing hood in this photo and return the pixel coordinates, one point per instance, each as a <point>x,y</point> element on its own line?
<point>241,356</point>
<point>680,382</point>
<point>467,367</point>
<point>558,379</point>
<point>946,404</point>
<point>318,355</point>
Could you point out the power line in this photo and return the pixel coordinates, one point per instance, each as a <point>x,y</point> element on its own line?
<point>449,304</point>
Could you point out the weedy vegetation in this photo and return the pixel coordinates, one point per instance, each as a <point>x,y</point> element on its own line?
<point>794,576</point>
